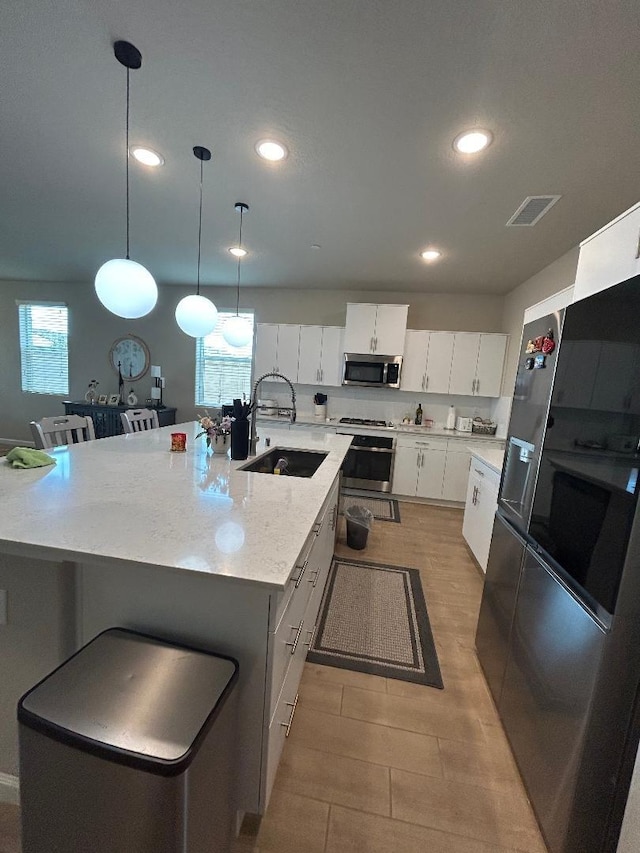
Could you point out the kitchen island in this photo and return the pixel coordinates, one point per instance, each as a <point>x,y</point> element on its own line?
<point>186,546</point>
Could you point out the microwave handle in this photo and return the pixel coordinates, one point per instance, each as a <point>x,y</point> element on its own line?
<point>385,371</point>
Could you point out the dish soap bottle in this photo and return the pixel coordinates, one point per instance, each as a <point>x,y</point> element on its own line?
<point>419,415</point>
<point>451,418</point>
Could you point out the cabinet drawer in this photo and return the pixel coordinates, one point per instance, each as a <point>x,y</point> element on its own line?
<point>282,718</point>
<point>289,637</point>
<point>488,476</point>
<point>419,443</point>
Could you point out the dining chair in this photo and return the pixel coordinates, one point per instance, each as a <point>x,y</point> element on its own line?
<point>66,429</point>
<point>137,420</point>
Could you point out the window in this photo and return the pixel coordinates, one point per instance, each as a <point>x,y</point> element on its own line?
<point>223,373</point>
<point>44,353</point>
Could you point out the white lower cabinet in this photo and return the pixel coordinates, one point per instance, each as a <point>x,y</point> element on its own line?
<point>419,467</point>
<point>456,473</point>
<point>480,508</point>
<point>291,635</point>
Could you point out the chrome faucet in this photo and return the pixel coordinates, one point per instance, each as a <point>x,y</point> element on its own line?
<point>253,438</point>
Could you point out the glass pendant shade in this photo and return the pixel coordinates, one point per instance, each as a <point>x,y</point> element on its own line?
<point>237,332</point>
<point>126,288</point>
<point>196,315</point>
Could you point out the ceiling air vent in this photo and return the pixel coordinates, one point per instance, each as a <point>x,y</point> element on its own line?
<point>532,209</point>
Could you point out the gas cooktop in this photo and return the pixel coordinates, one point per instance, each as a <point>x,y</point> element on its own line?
<point>363,422</point>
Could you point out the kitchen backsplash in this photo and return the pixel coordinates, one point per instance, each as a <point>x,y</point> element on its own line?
<point>383,404</point>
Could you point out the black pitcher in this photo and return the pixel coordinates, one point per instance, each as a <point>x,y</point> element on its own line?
<point>240,439</point>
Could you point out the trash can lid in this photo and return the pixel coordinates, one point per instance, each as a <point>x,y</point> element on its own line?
<point>132,699</point>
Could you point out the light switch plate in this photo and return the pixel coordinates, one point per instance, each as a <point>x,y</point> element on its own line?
<point>3,606</point>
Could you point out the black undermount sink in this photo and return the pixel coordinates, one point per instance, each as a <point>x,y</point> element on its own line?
<point>300,463</point>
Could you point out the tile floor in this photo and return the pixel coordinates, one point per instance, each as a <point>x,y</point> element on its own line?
<point>375,765</point>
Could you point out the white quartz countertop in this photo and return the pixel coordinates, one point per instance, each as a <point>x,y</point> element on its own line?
<point>129,498</point>
<point>302,420</point>
<point>493,458</point>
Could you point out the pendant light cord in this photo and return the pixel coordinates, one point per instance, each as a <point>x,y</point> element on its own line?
<point>127,161</point>
<point>199,230</point>
<point>239,259</point>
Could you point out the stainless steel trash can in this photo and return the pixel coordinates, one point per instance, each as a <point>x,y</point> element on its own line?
<point>128,747</point>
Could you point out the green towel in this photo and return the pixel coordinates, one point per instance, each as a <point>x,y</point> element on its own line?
<point>28,457</point>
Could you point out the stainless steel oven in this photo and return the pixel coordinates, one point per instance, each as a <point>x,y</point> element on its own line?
<point>369,461</point>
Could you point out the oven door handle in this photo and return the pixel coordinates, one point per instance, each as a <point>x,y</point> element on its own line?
<point>372,449</point>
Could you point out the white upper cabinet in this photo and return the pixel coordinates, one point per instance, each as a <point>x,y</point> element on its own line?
<point>439,359</point>
<point>277,350</point>
<point>378,329</point>
<point>320,355</point>
<point>610,256</point>
<point>426,365</point>
<point>414,361</point>
<point>477,364</point>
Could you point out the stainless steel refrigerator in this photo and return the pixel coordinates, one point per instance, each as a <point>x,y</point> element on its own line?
<point>559,626</point>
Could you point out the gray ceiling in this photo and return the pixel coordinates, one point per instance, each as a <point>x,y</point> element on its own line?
<point>367,94</point>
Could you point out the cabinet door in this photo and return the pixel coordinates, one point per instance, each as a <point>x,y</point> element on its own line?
<point>431,473</point>
<point>405,471</point>
<point>464,362</point>
<point>487,503</point>
<point>456,475</point>
<point>490,365</point>
<point>288,344</point>
<point>471,527</point>
<point>414,361</point>
<point>309,355</point>
<point>332,355</point>
<point>391,327</point>
<point>439,361</point>
<point>610,257</point>
<point>360,327</point>
<point>266,354</point>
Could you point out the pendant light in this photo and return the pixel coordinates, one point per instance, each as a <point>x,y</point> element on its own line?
<point>125,287</point>
<point>237,331</point>
<point>196,315</point>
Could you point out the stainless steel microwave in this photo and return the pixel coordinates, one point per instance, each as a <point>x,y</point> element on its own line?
<point>374,371</point>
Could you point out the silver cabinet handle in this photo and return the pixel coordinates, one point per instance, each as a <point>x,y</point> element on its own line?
<point>426,382</point>
<point>423,443</point>
<point>638,247</point>
<point>477,386</point>
<point>302,571</point>
<point>316,528</point>
<point>473,387</point>
<point>371,344</point>
<point>375,343</point>
<point>294,644</point>
<point>293,705</point>
<point>312,634</point>
<point>478,471</point>
<point>315,574</point>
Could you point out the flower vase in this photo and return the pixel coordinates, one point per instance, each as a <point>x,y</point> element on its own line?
<point>240,439</point>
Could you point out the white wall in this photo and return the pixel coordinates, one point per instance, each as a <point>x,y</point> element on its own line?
<point>93,329</point>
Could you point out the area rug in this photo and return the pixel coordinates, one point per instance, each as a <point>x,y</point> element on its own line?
<point>373,618</point>
<point>384,509</point>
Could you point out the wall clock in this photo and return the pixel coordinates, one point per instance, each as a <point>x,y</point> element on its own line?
<point>131,354</point>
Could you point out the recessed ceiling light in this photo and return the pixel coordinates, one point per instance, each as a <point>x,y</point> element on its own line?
<point>147,156</point>
<point>269,149</point>
<point>472,141</point>
<point>238,251</point>
<point>430,254</point>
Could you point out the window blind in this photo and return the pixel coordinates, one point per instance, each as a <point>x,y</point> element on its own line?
<point>223,373</point>
<point>44,352</point>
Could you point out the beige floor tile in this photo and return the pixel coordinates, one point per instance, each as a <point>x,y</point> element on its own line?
<point>318,674</point>
<point>479,764</point>
<point>292,824</point>
<point>320,695</point>
<point>497,817</point>
<point>334,779</point>
<point>355,832</point>
<point>366,741</point>
<point>9,828</point>
<point>437,716</point>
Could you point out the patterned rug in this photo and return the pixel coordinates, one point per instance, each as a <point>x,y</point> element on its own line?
<point>384,509</point>
<point>373,618</point>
